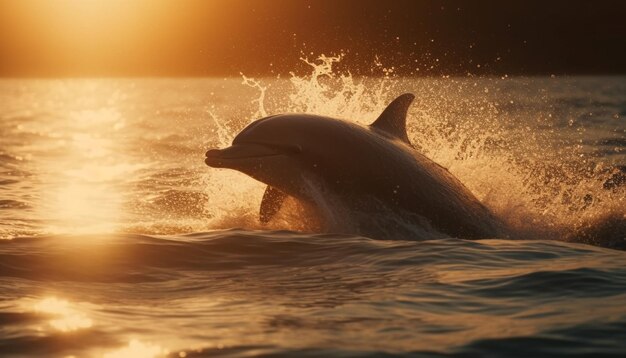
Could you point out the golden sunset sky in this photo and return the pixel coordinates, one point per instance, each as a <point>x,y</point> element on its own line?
<point>225,37</point>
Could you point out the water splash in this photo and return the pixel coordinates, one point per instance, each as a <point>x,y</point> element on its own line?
<point>537,181</point>
<point>260,101</point>
<point>325,91</point>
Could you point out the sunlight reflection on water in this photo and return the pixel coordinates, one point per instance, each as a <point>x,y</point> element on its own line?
<point>138,349</point>
<point>66,317</point>
<point>85,177</point>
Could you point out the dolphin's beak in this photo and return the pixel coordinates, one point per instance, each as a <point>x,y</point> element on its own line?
<point>219,158</point>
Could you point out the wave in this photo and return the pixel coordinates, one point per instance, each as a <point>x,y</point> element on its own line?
<point>110,257</point>
<point>254,293</point>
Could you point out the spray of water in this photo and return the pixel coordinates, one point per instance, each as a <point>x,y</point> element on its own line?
<point>540,187</point>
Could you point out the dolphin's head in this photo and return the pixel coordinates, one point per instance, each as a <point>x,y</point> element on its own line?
<point>263,140</point>
<point>268,149</point>
<point>289,151</point>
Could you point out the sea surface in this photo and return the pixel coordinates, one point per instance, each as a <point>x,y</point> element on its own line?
<point>118,241</point>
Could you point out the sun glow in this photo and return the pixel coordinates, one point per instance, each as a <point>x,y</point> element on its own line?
<point>77,36</point>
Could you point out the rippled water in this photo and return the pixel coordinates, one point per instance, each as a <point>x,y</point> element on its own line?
<point>247,293</point>
<point>119,240</point>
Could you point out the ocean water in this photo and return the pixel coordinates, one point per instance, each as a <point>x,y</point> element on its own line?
<point>118,241</point>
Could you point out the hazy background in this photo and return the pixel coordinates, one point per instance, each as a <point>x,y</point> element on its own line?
<point>225,37</point>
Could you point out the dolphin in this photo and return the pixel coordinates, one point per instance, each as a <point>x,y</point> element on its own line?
<point>373,170</point>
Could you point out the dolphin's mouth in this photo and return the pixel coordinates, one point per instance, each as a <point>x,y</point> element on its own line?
<point>221,157</point>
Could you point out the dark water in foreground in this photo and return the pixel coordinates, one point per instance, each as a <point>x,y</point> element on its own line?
<point>100,180</point>
<point>244,293</point>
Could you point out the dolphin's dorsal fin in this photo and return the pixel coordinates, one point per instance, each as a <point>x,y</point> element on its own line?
<point>270,204</point>
<point>393,119</point>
